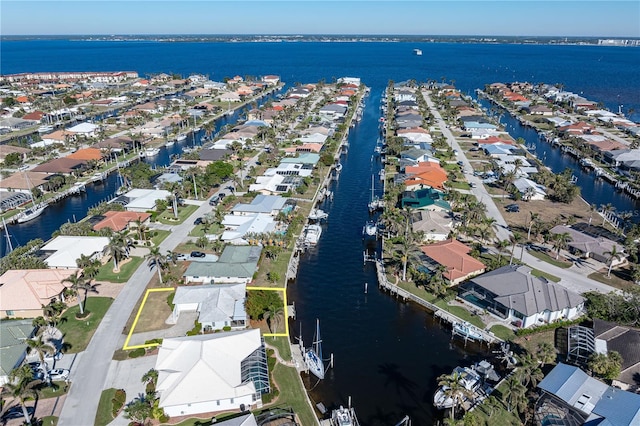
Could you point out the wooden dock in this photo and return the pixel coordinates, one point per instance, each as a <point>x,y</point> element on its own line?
<point>450,318</point>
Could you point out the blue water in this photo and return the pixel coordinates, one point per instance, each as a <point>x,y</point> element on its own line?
<point>387,354</point>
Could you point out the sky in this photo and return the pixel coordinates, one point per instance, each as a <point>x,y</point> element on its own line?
<point>570,18</point>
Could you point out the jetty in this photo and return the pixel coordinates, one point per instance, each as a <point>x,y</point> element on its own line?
<point>438,312</point>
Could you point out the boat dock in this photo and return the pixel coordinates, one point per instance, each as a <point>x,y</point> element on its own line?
<point>443,315</point>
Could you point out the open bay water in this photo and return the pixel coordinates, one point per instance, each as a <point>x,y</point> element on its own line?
<point>388,355</point>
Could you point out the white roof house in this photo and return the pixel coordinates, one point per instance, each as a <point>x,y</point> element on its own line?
<point>237,226</point>
<point>530,190</point>
<point>268,204</point>
<point>87,129</point>
<point>66,249</point>
<point>212,372</point>
<point>218,305</point>
<point>141,200</point>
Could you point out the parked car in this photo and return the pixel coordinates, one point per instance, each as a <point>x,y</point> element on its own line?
<point>214,200</point>
<point>16,413</point>
<point>197,254</point>
<point>35,366</point>
<point>59,374</point>
<point>512,208</point>
<point>198,221</point>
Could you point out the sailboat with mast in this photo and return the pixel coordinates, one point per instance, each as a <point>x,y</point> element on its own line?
<point>313,355</point>
<point>375,203</point>
<point>35,210</point>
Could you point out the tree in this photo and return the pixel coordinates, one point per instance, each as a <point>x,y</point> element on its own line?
<point>118,248</point>
<point>515,394</point>
<point>139,410</point>
<point>274,316</point>
<point>454,389</point>
<point>515,239</point>
<point>157,259</point>
<point>437,283</point>
<point>42,349</point>
<point>533,218</point>
<point>560,241</point>
<point>606,366</point>
<point>21,387</point>
<point>79,282</point>
<point>546,353</point>
<point>529,372</point>
<point>150,379</point>
<point>613,255</point>
<point>90,266</point>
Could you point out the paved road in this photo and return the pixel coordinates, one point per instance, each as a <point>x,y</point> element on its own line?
<point>572,278</point>
<point>89,376</point>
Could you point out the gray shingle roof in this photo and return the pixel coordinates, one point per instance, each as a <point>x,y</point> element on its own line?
<point>516,288</point>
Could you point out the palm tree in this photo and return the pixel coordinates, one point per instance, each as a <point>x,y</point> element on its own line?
<point>79,282</point>
<point>514,393</point>
<point>501,245</point>
<point>533,218</point>
<point>437,283</point>
<point>561,241</point>
<point>53,311</point>
<point>514,239</point>
<point>141,230</point>
<point>154,257</point>
<point>605,210</point>
<point>454,389</point>
<point>546,353</point>
<point>529,372</point>
<point>118,247</point>
<point>150,378</point>
<point>21,387</point>
<point>613,255</point>
<point>90,266</point>
<point>42,348</point>
<point>274,317</point>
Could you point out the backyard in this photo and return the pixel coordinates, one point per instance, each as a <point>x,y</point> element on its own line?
<point>78,332</point>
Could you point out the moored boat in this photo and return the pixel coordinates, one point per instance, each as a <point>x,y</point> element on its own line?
<point>467,331</point>
<point>31,213</point>
<point>470,381</point>
<point>344,417</point>
<point>313,355</point>
<point>312,234</point>
<point>149,152</point>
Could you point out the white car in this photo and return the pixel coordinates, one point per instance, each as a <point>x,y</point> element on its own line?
<point>58,374</point>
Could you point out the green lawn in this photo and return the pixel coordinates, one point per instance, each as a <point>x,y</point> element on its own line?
<point>546,258</point>
<point>293,394</point>
<point>49,421</point>
<point>282,344</point>
<point>503,332</point>
<point>495,416</point>
<point>78,333</point>
<point>159,236</point>
<point>198,230</point>
<point>106,271</point>
<point>458,185</point>
<point>103,415</point>
<point>58,389</point>
<point>183,213</point>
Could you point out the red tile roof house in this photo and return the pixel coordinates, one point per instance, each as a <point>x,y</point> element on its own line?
<point>23,292</point>
<point>121,220</point>
<point>454,256</point>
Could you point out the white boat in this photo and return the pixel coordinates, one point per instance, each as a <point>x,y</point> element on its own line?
<point>417,52</point>
<point>32,212</point>
<point>467,331</point>
<point>370,229</point>
<point>170,142</point>
<point>313,355</point>
<point>469,379</point>
<point>45,129</point>
<point>149,152</point>
<point>338,167</point>
<point>312,234</point>
<point>375,203</point>
<point>318,214</point>
<point>181,137</point>
<point>344,417</point>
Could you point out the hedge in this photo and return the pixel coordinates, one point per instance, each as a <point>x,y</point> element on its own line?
<point>118,401</point>
<point>546,327</point>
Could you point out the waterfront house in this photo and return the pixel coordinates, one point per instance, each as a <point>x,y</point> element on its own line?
<point>238,227</point>
<point>63,166</point>
<point>513,293</point>
<point>333,111</point>
<point>530,190</point>
<point>64,250</point>
<point>120,220</point>
<point>585,245</point>
<point>212,373</point>
<point>17,182</point>
<point>218,305</point>
<point>603,337</point>
<point>413,156</point>
<point>454,256</point>
<point>266,204</point>
<point>13,346</point>
<point>88,130</point>
<point>540,110</point>
<point>236,264</point>
<point>571,397</point>
<point>425,199</point>
<point>23,292</point>
<point>425,174</point>
<point>433,225</point>
<point>142,200</point>
<point>626,159</point>
<point>10,149</point>
<point>275,184</point>
<point>59,136</point>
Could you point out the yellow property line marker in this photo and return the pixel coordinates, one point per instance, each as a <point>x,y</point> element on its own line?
<point>126,346</point>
